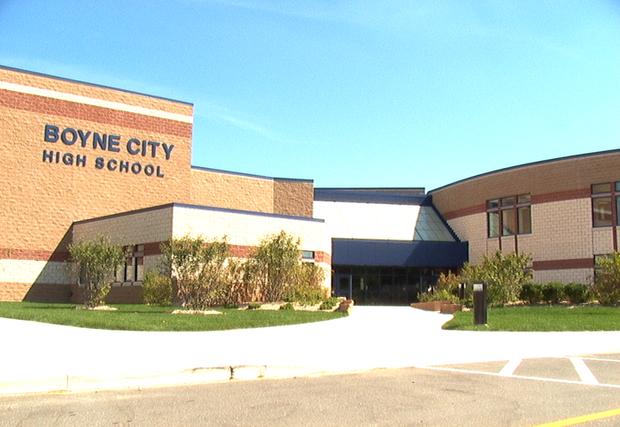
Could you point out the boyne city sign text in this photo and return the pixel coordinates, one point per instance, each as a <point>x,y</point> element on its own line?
<point>105,142</point>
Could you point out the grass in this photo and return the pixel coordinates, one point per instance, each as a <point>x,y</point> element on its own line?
<point>137,317</point>
<point>541,318</point>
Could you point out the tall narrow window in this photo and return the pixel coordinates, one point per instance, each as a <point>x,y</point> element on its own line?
<point>134,267</point>
<point>602,206</point>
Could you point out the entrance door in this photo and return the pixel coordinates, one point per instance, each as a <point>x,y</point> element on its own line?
<point>343,285</point>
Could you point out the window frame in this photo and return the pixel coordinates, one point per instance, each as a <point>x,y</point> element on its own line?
<point>502,210</point>
<point>612,195</point>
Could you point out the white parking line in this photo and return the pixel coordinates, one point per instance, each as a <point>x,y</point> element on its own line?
<point>583,371</point>
<point>510,367</point>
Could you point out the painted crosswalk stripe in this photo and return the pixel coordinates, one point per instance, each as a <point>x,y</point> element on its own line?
<point>583,371</point>
<point>510,367</point>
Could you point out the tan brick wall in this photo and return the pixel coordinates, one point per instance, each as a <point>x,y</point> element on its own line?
<point>43,196</point>
<point>293,197</point>
<point>552,177</point>
<point>562,238</point>
<point>246,230</point>
<point>232,191</point>
<point>42,199</point>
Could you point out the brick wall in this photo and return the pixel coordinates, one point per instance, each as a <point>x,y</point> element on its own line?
<point>53,174</point>
<point>563,242</point>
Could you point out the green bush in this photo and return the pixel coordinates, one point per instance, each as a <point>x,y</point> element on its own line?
<point>230,306</point>
<point>329,303</point>
<point>156,289</point>
<point>505,275</point>
<point>254,306</point>
<point>532,293</point>
<point>307,286</point>
<point>438,295</point>
<point>287,306</point>
<point>576,293</point>
<point>606,286</point>
<point>553,292</point>
<point>94,263</point>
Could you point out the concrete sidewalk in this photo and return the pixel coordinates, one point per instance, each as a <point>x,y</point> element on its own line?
<point>40,357</point>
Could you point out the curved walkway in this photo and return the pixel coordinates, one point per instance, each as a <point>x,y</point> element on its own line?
<point>40,357</point>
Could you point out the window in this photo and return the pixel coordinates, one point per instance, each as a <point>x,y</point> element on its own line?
<point>307,255</point>
<point>508,216</point>
<point>605,204</point>
<point>134,267</point>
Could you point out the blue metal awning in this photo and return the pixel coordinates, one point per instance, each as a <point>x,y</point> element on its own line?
<point>399,253</point>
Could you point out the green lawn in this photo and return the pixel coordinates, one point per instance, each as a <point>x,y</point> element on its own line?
<point>541,318</point>
<point>137,317</point>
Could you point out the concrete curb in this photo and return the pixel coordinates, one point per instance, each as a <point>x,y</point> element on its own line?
<point>69,383</point>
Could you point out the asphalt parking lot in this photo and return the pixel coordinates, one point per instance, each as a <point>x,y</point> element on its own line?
<point>596,369</point>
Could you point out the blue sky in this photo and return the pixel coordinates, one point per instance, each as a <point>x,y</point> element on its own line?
<point>366,93</point>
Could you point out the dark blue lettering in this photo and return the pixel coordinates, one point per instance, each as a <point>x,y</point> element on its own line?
<point>159,172</point>
<point>124,166</point>
<point>48,156</point>
<point>69,131</point>
<point>67,159</point>
<point>112,164</point>
<point>83,137</point>
<point>136,168</point>
<point>149,170</point>
<point>80,160</point>
<point>168,150</point>
<point>130,143</point>
<point>99,162</point>
<point>154,146</point>
<point>51,133</point>
<point>113,143</point>
<point>101,141</point>
<point>143,148</point>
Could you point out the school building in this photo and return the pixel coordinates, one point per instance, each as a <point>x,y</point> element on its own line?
<point>78,160</point>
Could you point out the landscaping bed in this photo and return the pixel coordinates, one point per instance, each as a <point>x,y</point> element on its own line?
<point>139,317</point>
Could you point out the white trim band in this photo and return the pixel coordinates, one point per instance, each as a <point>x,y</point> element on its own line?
<point>95,102</point>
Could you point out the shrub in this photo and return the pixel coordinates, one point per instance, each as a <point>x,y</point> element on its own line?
<point>156,288</point>
<point>329,303</point>
<point>94,263</point>
<point>230,306</point>
<point>553,292</point>
<point>438,295</point>
<point>254,305</point>
<point>505,275</point>
<point>576,293</point>
<point>532,293</point>
<point>606,286</point>
<point>287,306</point>
<point>200,268</point>
<point>272,267</point>
<point>307,287</point>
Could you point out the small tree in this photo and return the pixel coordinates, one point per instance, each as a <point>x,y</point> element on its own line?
<point>606,286</point>
<point>199,268</point>
<point>156,288</point>
<point>308,284</point>
<point>273,266</point>
<point>505,275</point>
<point>94,264</point>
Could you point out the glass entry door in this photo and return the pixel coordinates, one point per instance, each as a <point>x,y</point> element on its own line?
<point>343,286</point>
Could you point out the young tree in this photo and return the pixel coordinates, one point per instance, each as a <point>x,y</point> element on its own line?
<point>606,286</point>
<point>199,268</point>
<point>273,266</point>
<point>94,263</point>
<point>505,275</point>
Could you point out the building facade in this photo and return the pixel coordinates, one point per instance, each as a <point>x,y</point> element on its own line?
<point>77,160</point>
<point>563,212</point>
